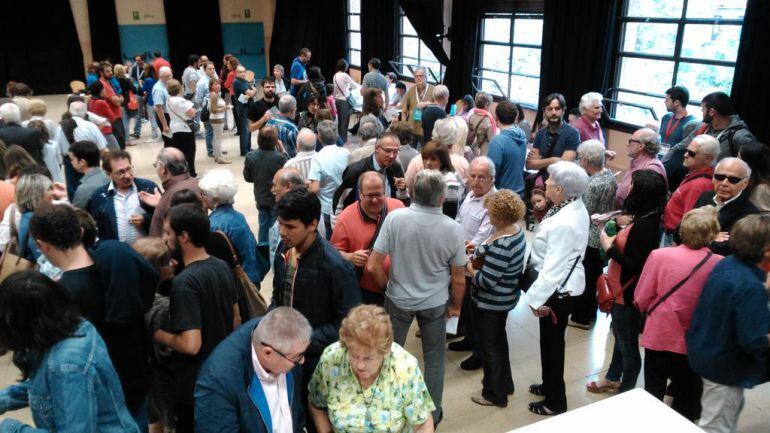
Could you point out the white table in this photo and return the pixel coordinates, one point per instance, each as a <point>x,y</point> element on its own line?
<point>634,411</point>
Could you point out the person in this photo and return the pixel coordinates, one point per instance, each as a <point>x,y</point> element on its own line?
<point>33,191</point>
<point>282,83</point>
<point>259,168</point>
<point>306,140</point>
<point>231,65</point>
<point>217,109</point>
<point>242,95</point>
<point>374,78</point>
<point>327,168</point>
<point>148,85</point>
<point>160,98</point>
<point>314,86</point>
<point>137,74</point>
<point>539,205</point>
<point>116,207</point>
<point>482,125</point>
<point>259,391</point>
<point>307,118</point>
<point>77,128</point>
<point>51,154</point>
<point>392,79</point>
<point>414,101</point>
<point>190,76</point>
<point>435,156</point>
<point>218,113</point>
<point>699,160</point>
<point>263,110</point>
<point>127,91</point>
<point>285,180</point>
<point>557,247</point>
<point>100,106</point>
<point>522,123</point>
<point>557,142</point>
<point>343,85</point>
<point>298,72</point>
<point>587,124</point>
<point>372,105</point>
<point>203,304</point>
<point>396,92</point>
<point>435,109</point>
<point>84,157</point>
<point>181,112</point>
<point>369,129</point>
<point>495,292</point>
<point>672,125</point>
<point>642,150</point>
<point>756,155</point>
<point>218,189</point>
<point>686,267</point>
<point>63,357</point>
<point>508,149</point>
<point>115,101</point>
<point>283,122</point>
<point>159,62</point>
<point>452,132</point>
<point>406,152</point>
<point>37,111</point>
<point>729,350</point>
<point>421,269</point>
<point>366,381</point>
<point>13,133</point>
<point>467,106</point>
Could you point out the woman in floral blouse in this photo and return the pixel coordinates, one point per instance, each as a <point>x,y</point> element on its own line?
<point>367,383</point>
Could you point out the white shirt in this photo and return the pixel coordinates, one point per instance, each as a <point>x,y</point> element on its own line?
<point>126,205</point>
<point>326,167</point>
<point>177,110</point>
<point>473,218</point>
<point>276,394</point>
<point>84,131</point>
<point>342,85</point>
<point>302,162</point>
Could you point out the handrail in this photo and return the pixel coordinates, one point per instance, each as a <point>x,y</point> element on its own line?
<point>397,66</point>
<point>477,88</point>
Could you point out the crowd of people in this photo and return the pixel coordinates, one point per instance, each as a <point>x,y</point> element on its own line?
<point>133,304</point>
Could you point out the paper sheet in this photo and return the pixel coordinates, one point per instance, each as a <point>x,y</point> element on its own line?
<point>451,325</point>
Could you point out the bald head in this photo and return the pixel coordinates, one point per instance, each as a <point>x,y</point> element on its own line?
<point>78,109</point>
<point>170,162</point>
<point>306,140</point>
<point>371,179</point>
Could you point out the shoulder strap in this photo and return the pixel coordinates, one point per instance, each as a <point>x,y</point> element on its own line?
<point>379,225</point>
<point>679,284</point>
<point>563,283</point>
<point>230,245</point>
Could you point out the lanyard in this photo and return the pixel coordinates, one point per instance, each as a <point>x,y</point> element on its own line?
<point>672,126</point>
<point>417,93</point>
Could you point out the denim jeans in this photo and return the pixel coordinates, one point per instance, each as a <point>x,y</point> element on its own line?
<point>432,324</point>
<point>626,321</point>
<point>243,127</point>
<point>209,138</point>
<point>267,217</point>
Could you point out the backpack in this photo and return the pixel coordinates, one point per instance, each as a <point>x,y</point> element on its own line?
<point>470,141</point>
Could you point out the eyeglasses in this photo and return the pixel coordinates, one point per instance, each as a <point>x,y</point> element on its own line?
<point>124,172</point>
<point>732,179</point>
<point>300,357</point>
<point>389,151</point>
<point>690,153</point>
<point>372,196</point>
<point>632,140</point>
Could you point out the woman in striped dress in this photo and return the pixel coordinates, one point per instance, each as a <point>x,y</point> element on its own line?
<point>495,292</point>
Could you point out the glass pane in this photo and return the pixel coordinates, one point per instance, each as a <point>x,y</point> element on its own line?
<point>725,9</point>
<point>355,40</point>
<point>634,115</point>
<point>706,41</point>
<point>646,75</point>
<point>701,80</point>
<point>354,6</point>
<point>525,89</point>
<point>406,27</point>
<point>526,61</point>
<point>426,53</point>
<point>355,58</point>
<point>497,29</point>
<point>650,38</point>
<point>409,47</point>
<point>495,57</point>
<point>655,8</point>
<point>489,87</point>
<point>528,32</point>
<point>355,22</point>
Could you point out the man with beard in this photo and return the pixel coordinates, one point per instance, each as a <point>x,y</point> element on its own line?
<point>116,102</point>
<point>557,142</point>
<point>262,111</point>
<point>674,127</point>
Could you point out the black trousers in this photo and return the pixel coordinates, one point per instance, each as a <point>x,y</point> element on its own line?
<point>185,141</point>
<point>552,352</point>
<point>465,324</point>
<point>185,417</point>
<point>372,298</point>
<point>167,142</point>
<point>585,304</point>
<point>687,386</point>
<point>119,132</point>
<point>492,342</point>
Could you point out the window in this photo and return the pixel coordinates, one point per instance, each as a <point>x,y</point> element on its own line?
<point>668,42</point>
<point>413,52</point>
<point>509,56</point>
<point>354,33</point>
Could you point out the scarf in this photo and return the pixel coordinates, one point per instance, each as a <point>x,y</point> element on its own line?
<point>552,211</point>
<point>488,115</point>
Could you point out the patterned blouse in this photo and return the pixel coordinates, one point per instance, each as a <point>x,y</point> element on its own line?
<point>397,401</point>
<point>599,198</point>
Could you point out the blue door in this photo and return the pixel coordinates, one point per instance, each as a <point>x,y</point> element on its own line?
<point>246,41</point>
<point>143,39</point>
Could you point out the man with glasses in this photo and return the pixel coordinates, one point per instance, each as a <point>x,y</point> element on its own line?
<point>116,208</point>
<point>642,150</point>
<point>260,388</point>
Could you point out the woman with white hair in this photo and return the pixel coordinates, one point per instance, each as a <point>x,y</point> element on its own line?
<point>452,132</point>
<point>218,189</point>
<point>557,277</point>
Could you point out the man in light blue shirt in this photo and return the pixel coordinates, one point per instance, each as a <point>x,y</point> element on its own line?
<point>160,99</point>
<point>326,168</point>
<point>201,97</point>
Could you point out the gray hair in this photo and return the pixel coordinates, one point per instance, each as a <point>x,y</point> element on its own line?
<point>588,100</point>
<point>371,118</point>
<point>306,140</point>
<point>279,67</point>
<point>219,184</point>
<point>707,145</point>
<point>569,176</point>
<point>367,131</point>
<point>731,160</point>
<point>592,151</point>
<point>441,92</point>
<point>165,70</point>
<point>30,190</point>
<point>489,163</point>
<point>10,113</point>
<point>174,161</point>
<point>287,104</point>
<point>651,141</point>
<point>78,109</point>
<point>327,133</point>
<point>291,176</point>
<point>368,174</point>
<point>429,188</point>
<point>483,100</point>
<point>282,328</point>
<point>451,131</point>
<point>420,69</point>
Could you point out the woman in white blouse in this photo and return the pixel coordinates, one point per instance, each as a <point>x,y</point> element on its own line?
<point>343,84</point>
<point>181,110</point>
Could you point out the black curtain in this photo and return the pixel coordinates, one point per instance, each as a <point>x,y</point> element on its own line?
<point>193,28</point>
<point>317,25</point>
<point>379,33</point>
<point>464,33</point>
<point>105,39</point>
<point>427,18</point>
<point>750,86</point>
<point>31,54</point>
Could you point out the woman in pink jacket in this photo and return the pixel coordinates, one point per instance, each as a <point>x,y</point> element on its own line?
<point>667,292</point>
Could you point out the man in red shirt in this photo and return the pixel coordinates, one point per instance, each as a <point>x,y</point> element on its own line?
<point>158,62</point>
<point>699,160</point>
<point>115,101</point>
<point>356,230</point>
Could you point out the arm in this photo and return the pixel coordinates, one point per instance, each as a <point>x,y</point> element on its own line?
<point>320,419</point>
<point>374,267</point>
<point>752,321</point>
<point>247,170</point>
<point>314,186</point>
<point>458,290</point>
<point>14,397</point>
<point>426,427</point>
<point>187,343</point>
<point>162,118</point>
<point>558,258</point>
<point>645,292</point>
<point>642,240</point>
<point>214,412</point>
<point>236,316</point>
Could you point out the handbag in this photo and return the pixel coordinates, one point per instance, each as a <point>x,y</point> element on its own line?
<point>12,262</point>
<point>607,293</point>
<point>191,123</point>
<point>255,302</point>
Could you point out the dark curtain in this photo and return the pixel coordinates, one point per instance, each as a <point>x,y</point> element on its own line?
<point>193,28</point>
<point>317,25</point>
<point>464,33</point>
<point>379,34</point>
<point>750,86</point>
<point>427,18</point>
<point>105,39</point>
<point>31,54</point>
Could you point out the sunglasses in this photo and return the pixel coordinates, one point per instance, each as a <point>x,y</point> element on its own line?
<point>732,179</point>
<point>690,153</point>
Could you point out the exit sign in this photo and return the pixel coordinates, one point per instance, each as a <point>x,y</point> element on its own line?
<point>247,13</point>
<point>135,14</point>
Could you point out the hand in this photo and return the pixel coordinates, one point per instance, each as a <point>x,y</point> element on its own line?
<point>469,269</point>
<point>360,257</point>
<point>136,220</point>
<point>166,130</point>
<point>453,311</point>
<point>267,116</point>
<point>606,240</point>
<point>59,191</point>
<point>469,247</point>
<point>150,199</point>
<point>400,183</point>
<point>543,311</point>
<point>623,220</point>
<point>281,148</point>
<point>722,237</point>
<point>533,154</point>
<point>609,155</point>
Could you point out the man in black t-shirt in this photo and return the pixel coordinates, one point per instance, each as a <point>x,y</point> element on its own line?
<point>435,110</point>
<point>263,110</point>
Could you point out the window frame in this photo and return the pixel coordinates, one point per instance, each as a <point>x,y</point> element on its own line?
<point>350,31</point>
<point>400,16</point>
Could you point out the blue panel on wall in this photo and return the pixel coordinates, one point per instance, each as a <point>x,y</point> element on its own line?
<point>143,39</point>
<point>246,41</point>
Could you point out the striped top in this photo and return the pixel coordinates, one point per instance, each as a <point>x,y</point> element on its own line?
<point>495,286</point>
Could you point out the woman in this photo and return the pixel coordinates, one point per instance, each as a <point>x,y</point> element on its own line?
<point>51,154</point>
<point>665,353</point>
<point>637,236</point>
<point>218,112</point>
<point>435,156</point>
<point>98,105</point>
<point>282,84</point>
<point>308,118</point>
<point>757,156</point>
<point>481,125</point>
<point>126,91</point>
<point>450,131</point>
<point>468,106</point>
<point>68,381</point>
<point>147,84</point>
<point>37,111</point>
<point>17,161</point>
<point>313,86</point>
<point>366,382</point>
<point>32,192</point>
<point>373,103</point>
<point>343,85</point>
<point>495,292</point>
<point>181,110</point>
<point>557,277</point>
<point>231,64</point>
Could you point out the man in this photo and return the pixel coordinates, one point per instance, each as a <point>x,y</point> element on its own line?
<point>158,62</point>
<point>727,343</point>
<point>201,93</point>
<point>326,169</point>
<point>406,151</point>
<point>261,357</point>
<point>203,303</point>
<point>115,100</point>
<point>242,94</point>
<point>674,127</point>
<point>415,100</point>
<point>259,168</point>
<point>82,130</point>
<point>699,160</point>
<point>174,175</point>
<point>160,99</point>
<point>731,177</point>
<point>204,59</point>
<point>435,110</point>
<point>587,124</point>
<point>137,78</point>
<point>190,76</point>
<point>642,149</point>
<point>116,208</point>
<point>283,122</point>
<point>508,150</point>
<point>374,78</point>
<point>369,128</point>
<point>357,228</point>
<point>422,267</point>
<point>298,73</point>
<point>261,111</point>
<point>558,142</point>
<point>285,180</point>
<point>13,133</point>
<point>84,157</point>
<point>306,140</point>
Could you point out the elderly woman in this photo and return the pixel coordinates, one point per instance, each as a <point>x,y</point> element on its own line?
<point>435,156</point>
<point>366,382</point>
<point>481,124</point>
<point>683,271</point>
<point>282,83</point>
<point>598,199</point>
<point>32,192</point>
<point>181,111</point>
<point>452,132</point>
<point>218,189</point>
<point>557,277</point>
<point>37,111</point>
<point>495,291</point>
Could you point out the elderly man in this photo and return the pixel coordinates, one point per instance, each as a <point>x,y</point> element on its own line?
<point>642,150</point>
<point>259,168</point>
<point>587,124</point>
<point>369,128</point>
<point>326,168</point>
<point>283,122</point>
<point>13,133</point>
<point>160,99</point>
<point>435,110</point>
<point>267,351</point>
<point>699,160</point>
<point>415,100</point>
<point>83,130</point>
<point>357,228</point>
<point>306,141</point>
<point>284,181</point>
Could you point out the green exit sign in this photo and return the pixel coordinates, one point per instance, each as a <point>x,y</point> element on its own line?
<point>247,13</point>
<point>135,14</point>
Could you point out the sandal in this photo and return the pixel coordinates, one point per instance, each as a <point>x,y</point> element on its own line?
<point>537,389</point>
<point>539,408</point>
<point>596,388</point>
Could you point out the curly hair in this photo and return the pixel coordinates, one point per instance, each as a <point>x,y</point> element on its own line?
<point>699,227</point>
<point>367,326</point>
<point>504,205</point>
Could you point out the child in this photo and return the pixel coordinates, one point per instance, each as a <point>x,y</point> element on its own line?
<point>539,204</point>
